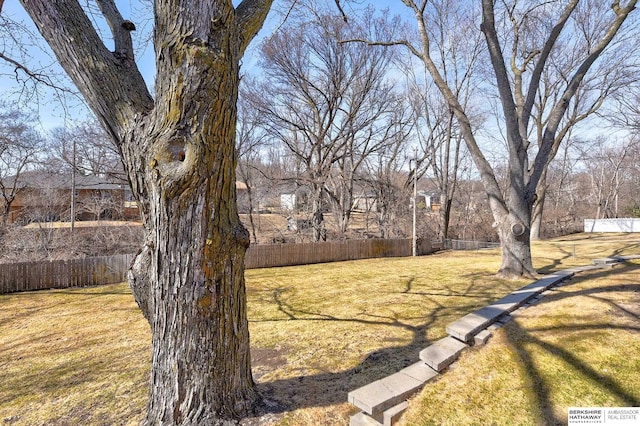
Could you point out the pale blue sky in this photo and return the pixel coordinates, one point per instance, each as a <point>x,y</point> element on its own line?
<point>52,113</point>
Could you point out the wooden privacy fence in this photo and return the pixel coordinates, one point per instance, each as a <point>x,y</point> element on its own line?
<point>469,245</point>
<point>89,271</point>
<point>271,255</point>
<point>25,276</point>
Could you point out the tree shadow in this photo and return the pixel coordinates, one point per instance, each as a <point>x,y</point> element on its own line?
<point>71,297</point>
<point>557,263</point>
<point>547,269</point>
<point>329,388</point>
<point>524,341</point>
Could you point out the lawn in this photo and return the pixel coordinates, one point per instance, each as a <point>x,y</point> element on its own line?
<point>81,356</point>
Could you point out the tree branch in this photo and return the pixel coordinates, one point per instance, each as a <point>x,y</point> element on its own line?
<point>502,79</point>
<point>534,83</point>
<point>113,88</point>
<point>250,16</point>
<point>120,29</point>
<point>562,105</point>
<point>38,77</point>
<point>341,10</point>
<point>404,43</point>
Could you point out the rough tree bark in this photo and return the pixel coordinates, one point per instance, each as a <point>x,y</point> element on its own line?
<point>179,153</point>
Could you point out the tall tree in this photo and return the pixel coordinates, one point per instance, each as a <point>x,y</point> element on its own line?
<point>20,145</point>
<point>518,62</point>
<point>530,52</point>
<point>330,104</point>
<point>87,148</point>
<point>612,73</point>
<point>385,176</point>
<point>609,169</point>
<point>457,48</point>
<point>178,150</point>
<point>250,141</point>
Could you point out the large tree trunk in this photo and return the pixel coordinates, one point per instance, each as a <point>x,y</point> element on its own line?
<point>179,153</point>
<point>516,249</point>
<point>195,300</point>
<point>512,223</point>
<point>194,257</point>
<point>196,303</point>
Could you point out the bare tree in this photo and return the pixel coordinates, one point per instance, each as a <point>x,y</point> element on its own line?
<point>612,73</point>
<point>564,204</point>
<point>178,150</point>
<point>330,104</point>
<point>385,176</point>
<point>88,149</point>
<point>250,141</point>
<point>518,60</point>
<point>20,145</point>
<point>27,66</point>
<point>609,169</point>
<point>458,49</point>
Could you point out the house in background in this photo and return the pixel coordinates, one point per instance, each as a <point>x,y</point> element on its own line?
<point>430,201</point>
<point>46,197</point>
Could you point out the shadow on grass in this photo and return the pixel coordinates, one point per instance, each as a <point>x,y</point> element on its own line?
<point>524,342</point>
<point>331,388</point>
<point>41,301</point>
<point>571,252</point>
<point>547,269</point>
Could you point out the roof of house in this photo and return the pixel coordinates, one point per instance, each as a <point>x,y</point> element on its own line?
<point>39,179</point>
<point>48,180</point>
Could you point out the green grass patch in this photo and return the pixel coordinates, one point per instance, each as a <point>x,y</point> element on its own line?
<point>81,356</point>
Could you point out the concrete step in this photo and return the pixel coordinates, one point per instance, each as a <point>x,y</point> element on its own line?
<point>442,353</point>
<point>471,324</point>
<point>390,391</point>
<point>362,419</point>
<point>393,414</point>
<point>389,417</point>
<point>481,338</point>
<point>606,261</point>
<point>586,268</point>
<point>613,260</point>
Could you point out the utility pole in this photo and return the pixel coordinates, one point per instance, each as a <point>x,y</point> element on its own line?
<point>415,202</point>
<point>73,189</point>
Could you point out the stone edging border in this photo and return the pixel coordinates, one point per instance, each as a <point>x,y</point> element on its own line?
<point>384,401</point>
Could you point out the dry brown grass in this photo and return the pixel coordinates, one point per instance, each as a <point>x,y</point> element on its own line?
<point>577,348</point>
<point>81,356</point>
<point>73,357</point>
